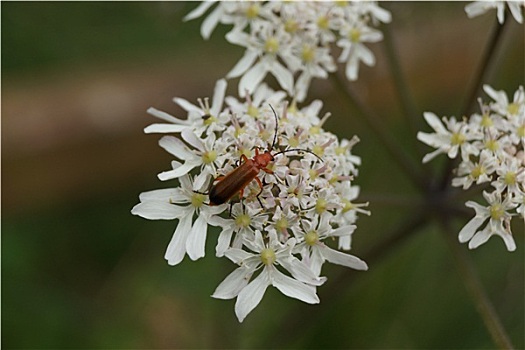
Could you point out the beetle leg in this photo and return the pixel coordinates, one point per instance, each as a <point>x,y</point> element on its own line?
<point>267,171</point>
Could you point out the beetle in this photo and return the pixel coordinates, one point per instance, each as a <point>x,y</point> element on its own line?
<point>235,181</point>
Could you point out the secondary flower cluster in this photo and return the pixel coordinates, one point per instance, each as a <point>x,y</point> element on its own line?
<point>282,228</point>
<point>491,146</point>
<point>477,8</point>
<point>292,40</point>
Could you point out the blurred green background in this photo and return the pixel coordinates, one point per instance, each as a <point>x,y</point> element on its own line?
<point>79,271</point>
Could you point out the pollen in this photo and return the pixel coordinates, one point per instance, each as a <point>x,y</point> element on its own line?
<point>253,111</point>
<point>457,139</point>
<point>492,145</point>
<point>521,131</point>
<point>271,45</point>
<point>510,178</point>
<point>513,108</point>
<point>293,141</point>
<point>486,121</point>
<point>318,150</point>
<point>243,220</point>
<point>197,199</point>
<point>308,54</point>
<point>496,211</point>
<point>311,238</point>
<point>320,205</point>
<point>347,205</point>
<point>477,171</point>
<point>268,256</point>
<point>281,224</point>
<point>323,22</point>
<point>291,26</point>
<point>253,11</point>
<point>354,35</point>
<point>209,157</point>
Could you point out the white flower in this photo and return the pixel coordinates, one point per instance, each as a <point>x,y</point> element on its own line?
<point>492,149</point>
<point>200,118</point>
<point>289,171</point>
<point>266,256</point>
<point>180,203</point>
<point>478,172</point>
<point>354,51</point>
<point>315,252</point>
<point>477,8</point>
<point>291,40</point>
<point>450,139</point>
<point>498,224</point>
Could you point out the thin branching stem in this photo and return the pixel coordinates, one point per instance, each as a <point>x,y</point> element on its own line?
<point>331,295</point>
<point>475,289</point>
<point>411,168</point>
<point>474,89</point>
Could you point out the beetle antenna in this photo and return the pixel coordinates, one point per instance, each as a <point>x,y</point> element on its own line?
<point>276,127</point>
<point>298,150</point>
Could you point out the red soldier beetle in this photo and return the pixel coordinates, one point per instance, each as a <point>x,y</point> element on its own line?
<point>235,181</point>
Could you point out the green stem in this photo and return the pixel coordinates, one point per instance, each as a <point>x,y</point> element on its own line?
<point>411,168</point>
<point>474,91</point>
<point>476,291</point>
<point>405,98</point>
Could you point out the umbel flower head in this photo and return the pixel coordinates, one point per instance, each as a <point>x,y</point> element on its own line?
<point>288,217</point>
<point>491,145</point>
<point>294,40</point>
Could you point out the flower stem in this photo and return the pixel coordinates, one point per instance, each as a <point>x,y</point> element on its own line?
<point>405,98</point>
<point>474,90</point>
<point>407,164</point>
<point>476,290</point>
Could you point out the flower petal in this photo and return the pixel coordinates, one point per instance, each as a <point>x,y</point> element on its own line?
<point>177,246</point>
<point>195,245</point>
<point>293,288</point>
<point>251,295</point>
<point>157,211</point>
<point>339,258</point>
<point>232,285</point>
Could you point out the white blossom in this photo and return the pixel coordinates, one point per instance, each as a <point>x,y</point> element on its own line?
<point>492,151</point>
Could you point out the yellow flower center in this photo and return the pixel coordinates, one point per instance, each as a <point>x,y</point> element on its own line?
<point>243,220</point>
<point>457,138</point>
<point>354,35</point>
<point>311,238</point>
<point>271,45</point>
<point>510,178</point>
<point>323,22</point>
<point>477,171</point>
<point>318,150</point>
<point>253,111</point>
<point>268,256</point>
<point>197,199</point>
<point>281,224</point>
<point>486,121</point>
<point>308,54</point>
<point>513,108</point>
<point>253,11</point>
<point>209,157</point>
<point>496,211</point>
<point>492,145</point>
<point>320,205</point>
<point>347,205</point>
<point>291,26</point>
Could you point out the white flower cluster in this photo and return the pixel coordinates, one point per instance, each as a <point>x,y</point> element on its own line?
<point>293,40</point>
<point>477,8</point>
<point>292,210</point>
<point>491,145</point>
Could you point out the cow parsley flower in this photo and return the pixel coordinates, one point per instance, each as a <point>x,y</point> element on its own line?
<point>295,41</point>
<point>477,8</point>
<point>287,220</point>
<point>491,144</point>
